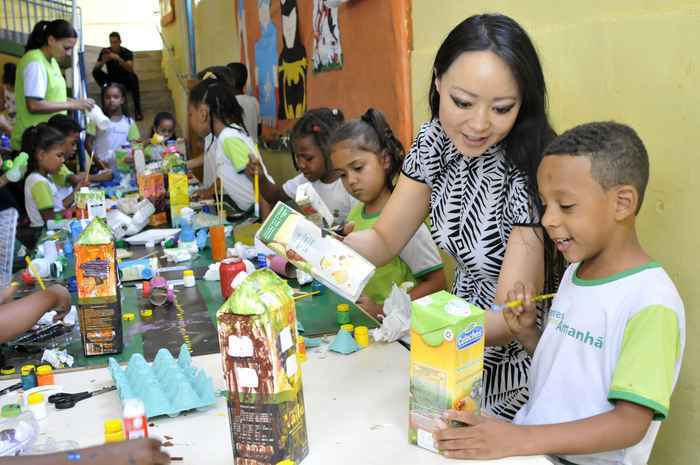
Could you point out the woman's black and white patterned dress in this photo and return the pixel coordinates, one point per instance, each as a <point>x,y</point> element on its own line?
<point>474,204</point>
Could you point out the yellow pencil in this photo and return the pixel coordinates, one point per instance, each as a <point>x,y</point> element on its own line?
<point>256,182</point>
<point>518,303</point>
<point>305,295</point>
<point>34,270</point>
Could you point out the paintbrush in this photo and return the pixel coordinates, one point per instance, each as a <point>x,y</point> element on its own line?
<point>518,303</point>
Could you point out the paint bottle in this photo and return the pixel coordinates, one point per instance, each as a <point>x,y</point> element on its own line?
<point>217,235</point>
<point>28,374</point>
<point>343,314</point>
<point>44,375</point>
<point>301,349</point>
<point>228,270</point>
<point>135,425</point>
<point>36,404</point>
<point>362,336</point>
<point>188,278</point>
<point>114,430</point>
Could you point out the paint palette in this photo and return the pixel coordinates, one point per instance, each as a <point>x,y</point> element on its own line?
<point>167,386</point>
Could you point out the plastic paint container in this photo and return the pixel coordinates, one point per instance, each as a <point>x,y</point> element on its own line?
<point>44,375</point>
<point>135,425</point>
<point>188,278</point>
<point>37,405</point>
<point>114,430</point>
<point>362,336</point>
<point>28,374</point>
<point>343,314</point>
<point>301,348</point>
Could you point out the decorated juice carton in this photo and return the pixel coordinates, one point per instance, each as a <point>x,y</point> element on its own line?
<point>178,188</point>
<point>152,187</point>
<point>90,204</point>
<point>290,235</point>
<point>447,359</point>
<point>258,340</point>
<point>99,306</point>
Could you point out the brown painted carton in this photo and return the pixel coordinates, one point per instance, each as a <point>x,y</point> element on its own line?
<point>258,340</point>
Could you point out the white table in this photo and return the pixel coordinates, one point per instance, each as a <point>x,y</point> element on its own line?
<point>356,413</point>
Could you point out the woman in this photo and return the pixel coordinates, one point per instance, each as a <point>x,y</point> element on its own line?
<point>40,88</point>
<point>473,169</point>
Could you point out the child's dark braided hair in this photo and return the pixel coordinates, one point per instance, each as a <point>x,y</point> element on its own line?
<point>216,92</point>
<point>122,90</point>
<point>319,123</point>
<point>372,133</point>
<point>41,137</point>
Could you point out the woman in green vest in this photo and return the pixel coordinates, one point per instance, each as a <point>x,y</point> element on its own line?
<point>40,89</point>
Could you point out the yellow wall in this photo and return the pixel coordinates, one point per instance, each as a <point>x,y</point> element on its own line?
<point>7,59</point>
<point>216,43</point>
<point>635,62</point>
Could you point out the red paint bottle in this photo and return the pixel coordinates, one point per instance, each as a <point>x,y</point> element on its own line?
<point>228,270</point>
<point>135,424</point>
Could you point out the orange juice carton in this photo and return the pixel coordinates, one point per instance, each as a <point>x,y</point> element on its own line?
<point>338,267</point>
<point>178,190</point>
<point>152,187</point>
<point>447,360</point>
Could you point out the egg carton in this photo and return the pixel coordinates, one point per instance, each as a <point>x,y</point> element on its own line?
<point>167,386</point>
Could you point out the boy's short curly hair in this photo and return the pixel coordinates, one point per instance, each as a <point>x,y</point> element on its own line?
<point>618,156</point>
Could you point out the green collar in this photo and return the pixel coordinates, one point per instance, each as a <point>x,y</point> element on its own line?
<point>614,277</point>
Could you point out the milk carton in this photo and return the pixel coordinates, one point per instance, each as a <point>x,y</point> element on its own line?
<point>447,359</point>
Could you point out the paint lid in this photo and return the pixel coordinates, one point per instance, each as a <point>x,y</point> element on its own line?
<point>27,369</point>
<point>10,410</point>
<point>35,398</point>
<point>187,273</point>
<point>8,370</point>
<point>44,370</point>
<point>113,425</point>
<point>348,327</point>
<point>343,308</point>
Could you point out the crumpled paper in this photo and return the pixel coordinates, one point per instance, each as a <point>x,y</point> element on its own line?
<point>397,317</point>
<point>68,320</point>
<point>57,358</point>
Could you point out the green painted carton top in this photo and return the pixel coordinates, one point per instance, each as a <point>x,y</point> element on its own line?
<point>274,222</point>
<point>257,294</point>
<point>96,233</point>
<point>431,314</point>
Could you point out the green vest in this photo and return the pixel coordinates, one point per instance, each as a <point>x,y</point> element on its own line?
<point>55,92</point>
<point>395,272</point>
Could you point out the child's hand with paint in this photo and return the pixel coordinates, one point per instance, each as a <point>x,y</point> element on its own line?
<point>522,319</point>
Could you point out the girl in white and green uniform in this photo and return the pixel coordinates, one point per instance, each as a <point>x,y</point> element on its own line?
<point>40,89</point>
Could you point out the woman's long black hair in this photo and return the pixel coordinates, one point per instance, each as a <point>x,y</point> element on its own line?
<point>58,29</point>
<point>531,133</point>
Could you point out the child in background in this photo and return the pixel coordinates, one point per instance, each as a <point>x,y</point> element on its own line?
<point>610,352</point>
<point>45,147</point>
<point>368,157</point>
<point>8,110</point>
<point>311,155</point>
<point>162,132</point>
<point>69,177</point>
<point>250,105</point>
<point>215,115</point>
<point>122,129</point>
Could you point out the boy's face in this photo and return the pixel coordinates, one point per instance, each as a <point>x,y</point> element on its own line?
<point>579,214</point>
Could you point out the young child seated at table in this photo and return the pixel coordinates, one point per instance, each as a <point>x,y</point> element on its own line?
<point>609,354</point>
<point>18,316</point>
<point>367,157</point>
<point>215,115</point>
<point>311,155</point>
<point>69,176</point>
<point>162,132</point>
<point>45,147</point>
<point>122,128</point>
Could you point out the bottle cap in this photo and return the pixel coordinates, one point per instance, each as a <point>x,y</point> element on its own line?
<point>27,369</point>
<point>343,308</point>
<point>44,370</point>
<point>8,370</point>
<point>348,327</point>
<point>187,273</point>
<point>113,425</point>
<point>35,398</point>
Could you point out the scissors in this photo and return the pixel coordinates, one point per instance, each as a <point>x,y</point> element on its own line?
<point>63,400</point>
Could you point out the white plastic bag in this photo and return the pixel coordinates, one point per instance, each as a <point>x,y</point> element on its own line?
<point>397,316</point>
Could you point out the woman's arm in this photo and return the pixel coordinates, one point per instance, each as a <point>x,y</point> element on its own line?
<point>523,263</point>
<point>399,221</point>
<point>44,106</point>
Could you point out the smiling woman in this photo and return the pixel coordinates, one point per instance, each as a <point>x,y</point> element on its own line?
<point>40,88</point>
<point>472,168</point>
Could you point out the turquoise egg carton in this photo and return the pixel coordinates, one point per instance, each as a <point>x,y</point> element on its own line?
<point>167,386</point>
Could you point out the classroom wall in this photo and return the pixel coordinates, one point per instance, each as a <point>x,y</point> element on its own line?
<point>137,22</point>
<point>176,61</point>
<point>635,62</point>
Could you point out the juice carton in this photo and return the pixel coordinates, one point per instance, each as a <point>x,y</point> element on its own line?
<point>447,359</point>
<point>312,206</point>
<point>152,187</point>
<point>258,340</point>
<point>95,264</point>
<point>99,305</point>
<point>178,188</point>
<point>90,204</point>
<point>305,245</point>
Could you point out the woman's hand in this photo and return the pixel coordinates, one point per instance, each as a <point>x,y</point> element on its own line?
<point>83,104</point>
